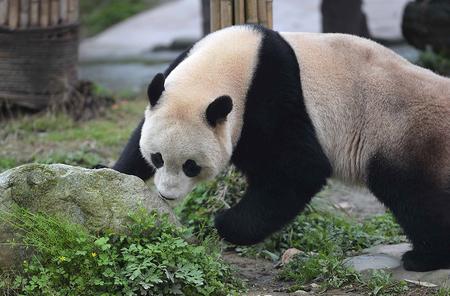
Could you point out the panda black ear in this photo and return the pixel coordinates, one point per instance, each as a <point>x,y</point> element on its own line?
<point>155,88</point>
<point>218,110</point>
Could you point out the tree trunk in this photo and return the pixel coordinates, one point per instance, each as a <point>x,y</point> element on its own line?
<point>344,16</point>
<point>427,23</point>
<point>206,17</point>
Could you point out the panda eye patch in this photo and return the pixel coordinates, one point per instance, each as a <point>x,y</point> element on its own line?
<point>191,169</point>
<point>157,160</point>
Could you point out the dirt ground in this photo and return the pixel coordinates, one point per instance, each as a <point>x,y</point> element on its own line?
<point>261,278</point>
<point>260,275</point>
<point>356,201</point>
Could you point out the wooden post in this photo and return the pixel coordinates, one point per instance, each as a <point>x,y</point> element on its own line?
<point>269,10</point>
<point>63,11</point>
<point>44,13</point>
<point>3,12</point>
<point>73,11</point>
<point>262,12</point>
<point>226,13</point>
<point>24,13</point>
<point>54,12</point>
<point>34,13</point>
<point>215,15</point>
<point>240,12</point>
<point>13,11</point>
<point>251,12</point>
<point>206,17</point>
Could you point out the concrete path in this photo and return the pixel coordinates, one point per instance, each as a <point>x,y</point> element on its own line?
<point>182,18</point>
<point>141,33</point>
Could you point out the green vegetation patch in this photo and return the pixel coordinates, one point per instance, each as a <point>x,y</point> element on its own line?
<point>153,258</point>
<point>55,137</point>
<point>197,210</point>
<point>97,15</point>
<point>7,163</point>
<point>325,238</point>
<point>313,230</point>
<point>435,62</point>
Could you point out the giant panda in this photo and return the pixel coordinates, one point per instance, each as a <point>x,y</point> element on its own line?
<point>290,110</point>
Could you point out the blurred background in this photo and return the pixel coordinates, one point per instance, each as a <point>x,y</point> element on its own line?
<point>73,75</point>
<point>123,43</point>
<point>73,72</point>
<point>167,26</point>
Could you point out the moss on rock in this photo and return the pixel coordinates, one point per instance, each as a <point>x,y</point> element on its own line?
<point>101,200</point>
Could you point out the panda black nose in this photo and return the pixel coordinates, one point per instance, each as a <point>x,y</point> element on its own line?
<point>165,197</point>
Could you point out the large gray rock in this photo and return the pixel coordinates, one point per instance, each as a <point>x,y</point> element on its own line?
<point>98,199</point>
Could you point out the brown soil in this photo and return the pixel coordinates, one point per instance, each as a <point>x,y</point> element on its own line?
<point>260,275</point>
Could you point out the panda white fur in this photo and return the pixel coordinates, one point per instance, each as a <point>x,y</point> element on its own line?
<point>290,110</point>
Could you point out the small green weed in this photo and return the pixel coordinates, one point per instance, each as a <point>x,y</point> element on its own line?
<point>328,269</point>
<point>443,292</point>
<point>330,272</point>
<point>381,283</point>
<point>197,210</point>
<point>152,259</point>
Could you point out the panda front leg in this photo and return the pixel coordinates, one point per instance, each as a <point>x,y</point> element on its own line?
<point>266,207</point>
<point>131,161</point>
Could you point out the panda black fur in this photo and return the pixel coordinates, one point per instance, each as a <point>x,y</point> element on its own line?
<point>288,146</point>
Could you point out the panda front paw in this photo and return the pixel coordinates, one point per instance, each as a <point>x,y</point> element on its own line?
<point>234,229</point>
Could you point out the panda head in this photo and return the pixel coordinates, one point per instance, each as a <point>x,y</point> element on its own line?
<point>185,142</point>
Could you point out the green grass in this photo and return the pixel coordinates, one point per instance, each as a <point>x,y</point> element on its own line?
<point>97,15</point>
<point>7,163</point>
<point>330,272</point>
<point>57,138</point>
<point>198,208</point>
<point>381,283</point>
<point>326,239</point>
<point>78,158</point>
<point>60,127</point>
<point>323,267</point>
<point>153,258</point>
<point>314,230</point>
<point>443,292</point>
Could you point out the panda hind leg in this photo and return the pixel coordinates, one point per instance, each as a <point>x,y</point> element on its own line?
<point>425,261</point>
<point>419,207</point>
<point>428,227</point>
